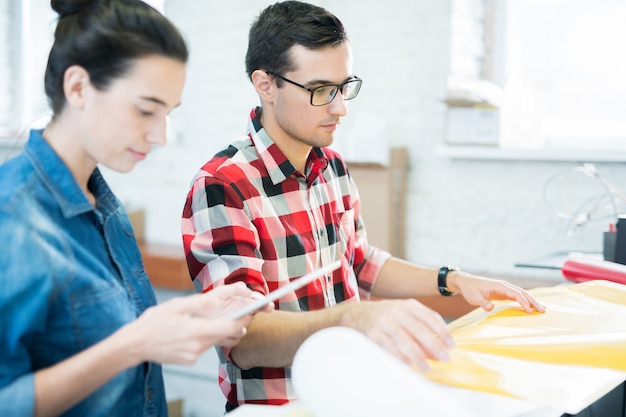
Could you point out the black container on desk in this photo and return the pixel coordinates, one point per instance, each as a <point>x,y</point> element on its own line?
<point>608,247</point>
<point>620,241</point>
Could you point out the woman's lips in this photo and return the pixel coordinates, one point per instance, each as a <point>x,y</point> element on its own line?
<point>139,156</point>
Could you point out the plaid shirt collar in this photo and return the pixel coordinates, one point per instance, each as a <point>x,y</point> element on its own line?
<point>278,166</point>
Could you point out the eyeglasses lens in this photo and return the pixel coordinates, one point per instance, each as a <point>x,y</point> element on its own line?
<point>351,89</point>
<point>326,93</point>
<point>323,95</point>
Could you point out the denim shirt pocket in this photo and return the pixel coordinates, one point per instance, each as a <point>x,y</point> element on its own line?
<point>98,311</point>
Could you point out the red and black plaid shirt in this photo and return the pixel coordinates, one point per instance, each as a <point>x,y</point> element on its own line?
<point>251,216</point>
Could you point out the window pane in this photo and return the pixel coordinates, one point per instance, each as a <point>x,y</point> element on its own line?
<point>565,73</point>
<point>9,21</point>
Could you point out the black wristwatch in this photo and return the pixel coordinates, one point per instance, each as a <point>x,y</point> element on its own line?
<point>442,278</point>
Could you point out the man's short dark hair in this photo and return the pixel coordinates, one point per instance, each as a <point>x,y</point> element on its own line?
<point>285,24</point>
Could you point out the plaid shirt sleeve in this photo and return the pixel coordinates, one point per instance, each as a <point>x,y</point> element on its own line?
<point>221,243</point>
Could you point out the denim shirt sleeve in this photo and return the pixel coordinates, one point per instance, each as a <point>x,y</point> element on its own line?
<point>23,306</point>
<point>17,399</point>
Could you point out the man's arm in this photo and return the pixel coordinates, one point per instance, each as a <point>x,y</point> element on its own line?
<point>273,338</point>
<point>406,328</point>
<point>402,279</point>
<point>403,326</point>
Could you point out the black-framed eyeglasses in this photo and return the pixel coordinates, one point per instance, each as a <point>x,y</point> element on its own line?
<point>324,94</point>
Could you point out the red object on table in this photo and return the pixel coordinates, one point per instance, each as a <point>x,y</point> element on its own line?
<point>581,269</point>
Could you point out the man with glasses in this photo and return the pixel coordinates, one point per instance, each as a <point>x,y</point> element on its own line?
<point>279,204</point>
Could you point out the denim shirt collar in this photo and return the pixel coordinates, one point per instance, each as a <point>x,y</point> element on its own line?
<point>57,177</point>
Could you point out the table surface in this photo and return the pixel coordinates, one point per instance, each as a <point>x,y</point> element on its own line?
<point>297,409</point>
<point>554,260</point>
<point>489,405</point>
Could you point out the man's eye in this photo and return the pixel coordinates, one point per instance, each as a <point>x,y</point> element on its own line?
<point>325,90</point>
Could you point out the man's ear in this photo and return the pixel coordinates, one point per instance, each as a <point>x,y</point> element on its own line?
<point>264,85</point>
<point>76,82</point>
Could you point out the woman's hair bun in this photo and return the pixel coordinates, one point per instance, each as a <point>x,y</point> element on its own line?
<point>67,7</point>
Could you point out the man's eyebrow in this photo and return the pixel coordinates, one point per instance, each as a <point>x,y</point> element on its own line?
<point>326,82</point>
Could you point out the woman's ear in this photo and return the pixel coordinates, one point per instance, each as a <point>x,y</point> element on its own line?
<point>264,85</point>
<point>76,81</point>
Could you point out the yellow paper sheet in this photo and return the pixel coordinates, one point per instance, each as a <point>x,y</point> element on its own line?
<point>543,357</point>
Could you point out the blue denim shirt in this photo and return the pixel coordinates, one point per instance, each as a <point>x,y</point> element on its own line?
<point>71,275</point>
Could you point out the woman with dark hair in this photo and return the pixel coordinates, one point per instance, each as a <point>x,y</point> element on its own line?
<point>80,334</point>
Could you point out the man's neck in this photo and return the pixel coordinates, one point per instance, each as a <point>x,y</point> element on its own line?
<point>296,152</point>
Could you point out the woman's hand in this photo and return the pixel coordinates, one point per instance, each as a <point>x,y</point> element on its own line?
<point>181,329</point>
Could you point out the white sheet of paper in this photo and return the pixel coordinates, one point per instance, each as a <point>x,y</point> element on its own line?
<point>339,372</point>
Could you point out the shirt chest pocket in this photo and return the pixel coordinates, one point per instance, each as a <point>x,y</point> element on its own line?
<point>345,233</point>
<point>99,311</point>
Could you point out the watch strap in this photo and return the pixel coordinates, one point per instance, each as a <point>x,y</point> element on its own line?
<point>442,280</point>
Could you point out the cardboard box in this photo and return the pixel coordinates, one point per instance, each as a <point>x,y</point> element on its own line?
<point>473,111</point>
<point>175,408</point>
<point>473,125</point>
<point>138,222</point>
<point>166,266</point>
<point>383,200</point>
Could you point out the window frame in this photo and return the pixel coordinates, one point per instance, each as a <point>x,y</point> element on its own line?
<point>495,71</point>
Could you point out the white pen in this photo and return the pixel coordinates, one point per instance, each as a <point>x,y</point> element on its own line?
<point>282,291</point>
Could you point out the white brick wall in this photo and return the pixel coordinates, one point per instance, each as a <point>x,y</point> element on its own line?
<point>483,216</point>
